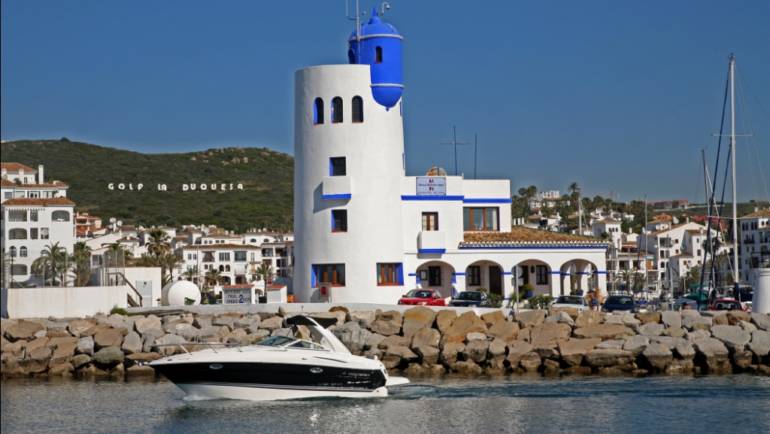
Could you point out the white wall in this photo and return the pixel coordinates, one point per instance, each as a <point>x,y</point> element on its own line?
<point>65,302</point>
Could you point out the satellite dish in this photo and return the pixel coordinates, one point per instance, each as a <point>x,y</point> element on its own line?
<point>120,222</point>
<point>112,219</point>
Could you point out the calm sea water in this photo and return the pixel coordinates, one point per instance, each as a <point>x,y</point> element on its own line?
<point>708,404</point>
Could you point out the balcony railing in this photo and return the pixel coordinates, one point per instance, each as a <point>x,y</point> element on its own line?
<point>431,242</point>
<point>336,188</point>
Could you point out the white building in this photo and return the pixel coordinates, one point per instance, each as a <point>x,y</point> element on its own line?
<point>35,215</point>
<point>611,228</point>
<point>366,232</point>
<point>754,242</point>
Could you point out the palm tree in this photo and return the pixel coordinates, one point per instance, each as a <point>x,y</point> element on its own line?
<point>168,263</point>
<point>191,273</point>
<point>81,263</point>
<point>213,277</point>
<point>117,254</point>
<point>51,263</point>
<point>158,245</point>
<point>265,272</point>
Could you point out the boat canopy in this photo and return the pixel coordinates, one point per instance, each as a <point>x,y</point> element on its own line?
<point>310,322</point>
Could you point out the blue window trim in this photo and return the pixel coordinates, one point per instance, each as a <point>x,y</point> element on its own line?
<point>431,251</point>
<point>313,276</point>
<point>332,219</point>
<point>412,197</point>
<point>341,196</point>
<point>399,272</point>
<point>487,200</point>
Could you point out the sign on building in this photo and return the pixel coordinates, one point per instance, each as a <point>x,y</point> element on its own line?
<point>237,296</point>
<point>431,186</point>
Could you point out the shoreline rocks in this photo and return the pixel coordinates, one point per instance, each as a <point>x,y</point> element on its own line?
<point>417,342</point>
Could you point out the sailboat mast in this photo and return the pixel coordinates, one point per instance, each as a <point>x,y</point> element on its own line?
<point>736,262</point>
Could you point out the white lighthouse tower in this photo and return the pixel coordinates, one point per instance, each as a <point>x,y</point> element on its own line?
<point>348,170</point>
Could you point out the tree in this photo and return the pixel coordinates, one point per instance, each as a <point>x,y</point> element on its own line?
<point>117,255</point>
<point>81,263</point>
<point>191,272</point>
<point>168,263</point>
<point>213,277</point>
<point>265,273</point>
<point>51,264</point>
<point>158,245</point>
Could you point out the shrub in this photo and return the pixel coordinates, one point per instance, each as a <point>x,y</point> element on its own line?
<point>118,310</point>
<point>540,301</point>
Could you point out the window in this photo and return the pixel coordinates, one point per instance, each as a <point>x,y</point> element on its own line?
<point>17,234</point>
<point>33,215</point>
<point>390,274</point>
<point>12,251</point>
<point>43,233</point>
<point>358,109</point>
<point>318,111</point>
<point>473,275</point>
<point>377,54</point>
<point>337,110</point>
<point>430,221</point>
<point>339,220</point>
<point>541,274</point>
<point>17,215</point>
<point>328,273</point>
<point>480,219</point>
<point>33,233</point>
<point>224,256</point>
<point>267,253</point>
<point>18,270</point>
<point>23,252</point>
<point>60,216</point>
<point>240,256</point>
<point>337,166</point>
<point>208,256</point>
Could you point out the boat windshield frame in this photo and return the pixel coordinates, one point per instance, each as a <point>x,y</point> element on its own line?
<point>291,343</point>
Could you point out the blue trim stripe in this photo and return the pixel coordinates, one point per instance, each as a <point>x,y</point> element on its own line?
<point>507,273</point>
<point>431,251</point>
<point>342,196</point>
<point>459,274</point>
<point>579,272</point>
<point>533,246</point>
<point>409,198</point>
<point>412,274</point>
<point>487,200</point>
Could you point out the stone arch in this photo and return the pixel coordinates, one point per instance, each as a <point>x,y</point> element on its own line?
<point>534,272</point>
<point>578,275</point>
<point>438,275</point>
<point>485,273</point>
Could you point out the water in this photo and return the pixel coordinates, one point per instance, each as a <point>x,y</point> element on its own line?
<point>731,404</point>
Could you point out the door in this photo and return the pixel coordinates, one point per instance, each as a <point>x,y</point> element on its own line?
<point>495,280</point>
<point>434,276</point>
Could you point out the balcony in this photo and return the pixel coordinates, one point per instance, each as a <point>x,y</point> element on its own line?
<point>431,242</point>
<point>336,188</point>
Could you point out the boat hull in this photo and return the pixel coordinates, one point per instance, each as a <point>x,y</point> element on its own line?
<point>253,392</point>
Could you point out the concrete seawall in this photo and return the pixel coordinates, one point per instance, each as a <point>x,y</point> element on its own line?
<point>417,341</point>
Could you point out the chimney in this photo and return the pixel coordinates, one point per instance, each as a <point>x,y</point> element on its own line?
<point>40,177</point>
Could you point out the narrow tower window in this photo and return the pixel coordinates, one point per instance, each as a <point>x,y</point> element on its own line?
<point>337,166</point>
<point>337,110</point>
<point>318,111</point>
<point>377,54</point>
<point>358,109</point>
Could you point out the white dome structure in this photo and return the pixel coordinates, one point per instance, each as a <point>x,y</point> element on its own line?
<point>176,293</point>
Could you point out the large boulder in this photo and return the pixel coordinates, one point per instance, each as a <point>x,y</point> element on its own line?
<point>649,317</point>
<point>169,344</point>
<point>612,344</point>
<point>672,319</point>
<point>651,329</point>
<point>462,325</point>
<point>363,317</point>
<point>132,343</point>
<point>732,336</point>
<point>36,343</point>
<point>736,316</point>
<point>467,368</point>
<point>548,334</point>
<point>145,324</point>
<point>417,318</point>
<point>428,354</point>
<point>492,318</point>
<point>36,361</point>
<point>761,320</point>
<point>713,354</point>
<point>395,356</point>
<point>573,350</point>
<point>476,350</point>
<point>684,350</point>
<point>450,351</point>
<point>604,331</point>
<point>600,357</point>
<point>697,322</point>
<point>517,350</point>
<point>352,336</point>
<point>588,317</point>
<point>497,348</point>
<point>224,320</point>
<point>697,334</point>
<point>80,360</point>
<point>444,319</point>
<point>426,337</point>
<point>85,345</point>
<point>760,343</point>
<point>387,323</point>
<point>658,356</point>
<point>560,317</point>
<point>109,356</point>
<point>530,318</point>
<point>22,329</point>
<point>508,331</point>
<point>394,341</point>
<point>271,323</point>
<point>636,344</point>
<point>531,362</point>
<point>63,349</point>
<point>108,337</point>
<point>374,340</point>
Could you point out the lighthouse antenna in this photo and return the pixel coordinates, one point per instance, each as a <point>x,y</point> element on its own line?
<point>357,19</point>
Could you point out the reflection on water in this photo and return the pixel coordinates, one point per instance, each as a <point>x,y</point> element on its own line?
<point>682,404</point>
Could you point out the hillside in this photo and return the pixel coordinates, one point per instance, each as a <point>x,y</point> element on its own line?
<point>265,175</point>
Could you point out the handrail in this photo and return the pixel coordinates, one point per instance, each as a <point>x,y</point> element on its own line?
<point>126,281</point>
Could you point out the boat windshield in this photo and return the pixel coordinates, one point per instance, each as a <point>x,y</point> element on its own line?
<point>275,341</point>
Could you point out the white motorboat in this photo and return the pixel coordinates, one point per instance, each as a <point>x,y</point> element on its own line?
<point>279,367</point>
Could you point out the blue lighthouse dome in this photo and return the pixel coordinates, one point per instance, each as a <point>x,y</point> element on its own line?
<point>381,48</point>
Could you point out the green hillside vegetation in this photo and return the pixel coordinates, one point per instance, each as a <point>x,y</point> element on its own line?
<point>266,176</point>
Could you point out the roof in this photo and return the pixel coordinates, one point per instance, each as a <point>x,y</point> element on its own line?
<point>523,236</point>
<point>54,184</point>
<point>53,201</point>
<point>238,286</point>
<point>760,213</point>
<point>609,220</point>
<point>222,247</point>
<point>662,218</point>
<point>14,167</point>
<point>275,286</point>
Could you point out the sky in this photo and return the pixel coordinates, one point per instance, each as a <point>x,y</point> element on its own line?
<point>619,97</point>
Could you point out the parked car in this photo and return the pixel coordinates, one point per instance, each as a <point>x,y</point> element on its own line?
<point>685,303</point>
<point>423,297</point>
<point>471,298</point>
<point>619,303</point>
<point>570,301</point>
<point>726,303</point>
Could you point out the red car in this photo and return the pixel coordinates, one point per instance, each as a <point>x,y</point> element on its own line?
<point>422,297</point>
<point>727,303</point>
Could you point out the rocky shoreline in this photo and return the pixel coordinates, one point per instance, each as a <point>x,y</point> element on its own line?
<point>419,342</point>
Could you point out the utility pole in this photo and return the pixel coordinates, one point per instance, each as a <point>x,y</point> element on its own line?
<point>455,143</point>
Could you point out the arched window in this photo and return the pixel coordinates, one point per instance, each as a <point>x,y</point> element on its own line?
<point>23,252</point>
<point>12,251</point>
<point>60,216</point>
<point>337,110</point>
<point>17,234</point>
<point>358,109</point>
<point>377,54</point>
<point>318,111</point>
<point>18,270</point>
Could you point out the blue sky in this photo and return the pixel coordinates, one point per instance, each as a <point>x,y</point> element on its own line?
<point>618,96</point>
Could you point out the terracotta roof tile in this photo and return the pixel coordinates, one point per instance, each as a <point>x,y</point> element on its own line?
<point>221,247</point>
<point>54,184</point>
<point>14,167</point>
<point>761,213</point>
<point>55,201</point>
<point>520,235</point>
